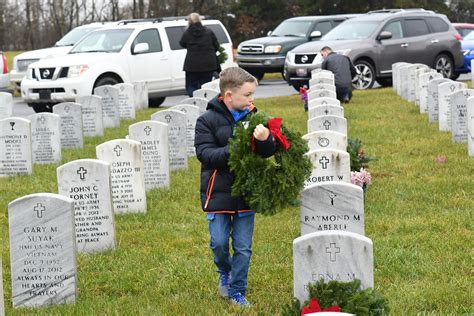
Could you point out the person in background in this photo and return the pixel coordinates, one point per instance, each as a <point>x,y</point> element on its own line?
<point>343,70</point>
<point>201,62</point>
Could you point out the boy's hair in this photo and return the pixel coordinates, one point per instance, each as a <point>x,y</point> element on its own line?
<point>233,78</point>
<point>326,48</point>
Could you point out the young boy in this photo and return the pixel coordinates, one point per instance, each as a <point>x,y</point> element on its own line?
<point>228,216</point>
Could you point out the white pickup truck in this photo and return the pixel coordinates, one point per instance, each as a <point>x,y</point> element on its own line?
<point>61,48</point>
<point>133,51</point>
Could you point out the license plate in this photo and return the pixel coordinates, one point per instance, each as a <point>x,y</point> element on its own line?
<point>301,72</point>
<point>45,95</point>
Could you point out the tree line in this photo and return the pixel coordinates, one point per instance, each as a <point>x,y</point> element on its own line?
<point>33,24</point>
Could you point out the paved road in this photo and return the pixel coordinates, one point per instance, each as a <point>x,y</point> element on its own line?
<point>266,89</point>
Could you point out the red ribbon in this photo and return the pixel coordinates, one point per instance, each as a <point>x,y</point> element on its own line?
<point>274,126</point>
<point>313,307</point>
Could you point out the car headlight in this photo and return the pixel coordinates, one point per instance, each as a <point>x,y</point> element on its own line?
<point>344,52</point>
<point>29,73</point>
<point>239,48</point>
<point>76,71</point>
<point>15,64</point>
<point>273,49</point>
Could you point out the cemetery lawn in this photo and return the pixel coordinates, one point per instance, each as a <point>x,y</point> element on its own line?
<point>417,212</point>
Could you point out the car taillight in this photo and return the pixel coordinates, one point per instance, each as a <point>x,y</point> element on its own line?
<point>233,53</point>
<point>458,36</point>
<point>5,66</point>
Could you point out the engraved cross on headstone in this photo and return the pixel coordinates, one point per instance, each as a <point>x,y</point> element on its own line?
<point>118,150</point>
<point>12,124</point>
<point>39,209</point>
<point>82,173</point>
<point>332,250</point>
<point>326,124</point>
<point>168,118</point>
<point>147,130</point>
<point>324,162</point>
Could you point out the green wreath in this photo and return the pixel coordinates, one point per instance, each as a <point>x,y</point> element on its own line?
<point>346,295</point>
<point>268,184</point>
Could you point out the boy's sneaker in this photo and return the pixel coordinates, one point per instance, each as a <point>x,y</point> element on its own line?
<point>224,283</point>
<point>239,299</point>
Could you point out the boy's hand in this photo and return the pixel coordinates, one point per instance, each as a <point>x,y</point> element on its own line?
<point>261,133</point>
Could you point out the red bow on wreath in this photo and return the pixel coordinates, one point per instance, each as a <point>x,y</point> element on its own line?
<point>274,125</point>
<point>313,307</point>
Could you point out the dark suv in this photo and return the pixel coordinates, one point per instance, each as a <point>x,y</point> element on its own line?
<point>267,54</point>
<point>376,40</point>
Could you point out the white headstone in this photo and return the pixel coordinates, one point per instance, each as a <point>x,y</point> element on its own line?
<point>458,111</point>
<point>313,94</point>
<point>45,137</point>
<point>153,136</point>
<point>331,255</point>
<point>395,74</point>
<point>6,105</point>
<point>323,101</point>
<point>322,78</point>
<point>444,97</point>
<point>470,125</point>
<point>423,81</point>
<point>87,183</point>
<point>326,140</point>
<point>329,165</point>
<point>126,100</point>
<point>42,250</point>
<point>328,123</point>
<point>92,119</point>
<point>110,105</point>
<point>201,103</point>
<point>205,93</point>
<point>70,115</point>
<point>403,80</point>
<point>141,94</point>
<point>411,80</point>
<point>15,147</point>
<point>318,72</point>
<point>212,85</point>
<point>128,180</point>
<point>322,110</point>
<point>176,121</point>
<point>418,74</point>
<point>332,206</point>
<point>323,86</point>
<point>192,114</point>
<point>433,99</point>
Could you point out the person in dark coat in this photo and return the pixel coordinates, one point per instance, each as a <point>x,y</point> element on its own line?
<point>343,70</point>
<point>228,216</point>
<point>201,61</point>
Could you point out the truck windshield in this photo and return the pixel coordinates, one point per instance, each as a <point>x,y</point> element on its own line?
<point>351,30</point>
<point>103,41</point>
<point>292,28</point>
<point>73,36</point>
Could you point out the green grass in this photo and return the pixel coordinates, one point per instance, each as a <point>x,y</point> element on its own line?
<point>418,214</point>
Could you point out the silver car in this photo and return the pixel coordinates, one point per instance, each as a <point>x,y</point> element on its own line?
<point>376,40</point>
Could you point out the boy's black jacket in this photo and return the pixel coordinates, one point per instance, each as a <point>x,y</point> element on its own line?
<point>213,130</point>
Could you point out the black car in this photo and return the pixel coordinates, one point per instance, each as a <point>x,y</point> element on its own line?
<point>267,54</point>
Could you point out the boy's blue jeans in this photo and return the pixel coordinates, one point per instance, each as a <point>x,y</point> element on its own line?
<point>240,228</point>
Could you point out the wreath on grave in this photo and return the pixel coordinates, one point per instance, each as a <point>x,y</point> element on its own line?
<point>338,296</point>
<point>222,55</point>
<point>268,184</point>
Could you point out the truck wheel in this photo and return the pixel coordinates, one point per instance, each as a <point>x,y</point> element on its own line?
<point>105,81</point>
<point>258,75</point>
<point>41,107</point>
<point>156,102</point>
